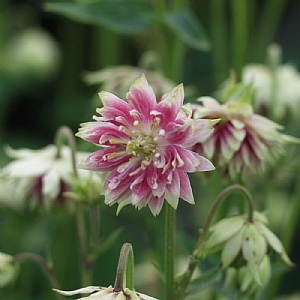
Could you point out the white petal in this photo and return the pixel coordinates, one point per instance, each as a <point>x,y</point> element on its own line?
<point>85,290</point>
<point>51,184</point>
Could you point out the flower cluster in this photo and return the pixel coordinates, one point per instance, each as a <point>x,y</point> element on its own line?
<point>242,280</point>
<point>146,147</point>
<point>245,243</point>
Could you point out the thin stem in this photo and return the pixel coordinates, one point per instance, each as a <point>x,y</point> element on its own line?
<point>199,254</point>
<point>87,264</point>
<point>240,35</point>
<point>42,263</point>
<point>219,38</point>
<point>169,252</point>
<point>125,266</point>
<point>267,24</point>
<point>174,47</point>
<point>65,133</point>
<point>287,237</point>
<point>218,200</point>
<point>107,48</point>
<point>95,223</point>
<point>274,56</point>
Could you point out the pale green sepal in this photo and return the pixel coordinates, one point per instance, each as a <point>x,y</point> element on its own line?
<point>224,230</point>
<point>249,250</point>
<point>246,279</point>
<point>275,243</point>
<point>232,248</point>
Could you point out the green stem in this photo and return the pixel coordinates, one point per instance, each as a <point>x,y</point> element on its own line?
<point>95,224</point>
<point>287,237</point>
<point>267,25</point>
<point>169,253</point>
<point>125,266</point>
<point>43,264</point>
<point>65,133</point>
<point>274,56</point>
<point>240,35</point>
<point>219,199</point>
<point>199,254</point>
<point>86,263</point>
<point>219,36</point>
<point>173,50</point>
<point>106,49</point>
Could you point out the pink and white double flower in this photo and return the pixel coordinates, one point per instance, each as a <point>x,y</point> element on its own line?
<point>146,147</point>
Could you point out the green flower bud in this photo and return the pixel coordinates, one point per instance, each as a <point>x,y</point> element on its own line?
<point>245,244</point>
<point>241,278</point>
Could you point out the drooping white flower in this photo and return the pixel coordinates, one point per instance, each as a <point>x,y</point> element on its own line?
<point>8,269</point>
<point>103,293</point>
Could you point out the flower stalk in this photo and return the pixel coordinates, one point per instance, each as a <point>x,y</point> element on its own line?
<point>240,35</point>
<point>169,252</point>
<point>125,267</point>
<point>65,133</point>
<point>43,264</point>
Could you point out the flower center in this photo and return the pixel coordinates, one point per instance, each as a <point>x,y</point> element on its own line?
<point>142,145</point>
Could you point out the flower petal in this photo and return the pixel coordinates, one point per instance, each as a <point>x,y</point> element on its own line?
<point>170,105</point>
<point>85,290</point>
<point>102,133</point>
<point>142,98</point>
<point>104,160</point>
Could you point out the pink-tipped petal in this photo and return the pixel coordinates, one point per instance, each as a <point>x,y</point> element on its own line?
<point>185,188</point>
<point>141,97</point>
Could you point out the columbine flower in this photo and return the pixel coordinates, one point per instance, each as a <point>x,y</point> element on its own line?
<point>245,243</point>
<point>146,147</point>
<point>101,293</point>
<point>242,141</point>
<point>8,270</point>
<point>40,174</point>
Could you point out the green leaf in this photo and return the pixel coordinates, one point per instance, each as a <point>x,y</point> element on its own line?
<point>188,28</point>
<point>129,17</point>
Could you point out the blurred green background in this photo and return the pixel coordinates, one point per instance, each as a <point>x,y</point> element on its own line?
<point>43,58</point>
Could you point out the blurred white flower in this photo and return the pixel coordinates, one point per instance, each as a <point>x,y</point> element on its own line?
<point>117,80</point>
<point>102,293</point>
<point>277,91</point>
<point>42,176</point>
<point>33,52</point>
<point>8,269</point>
